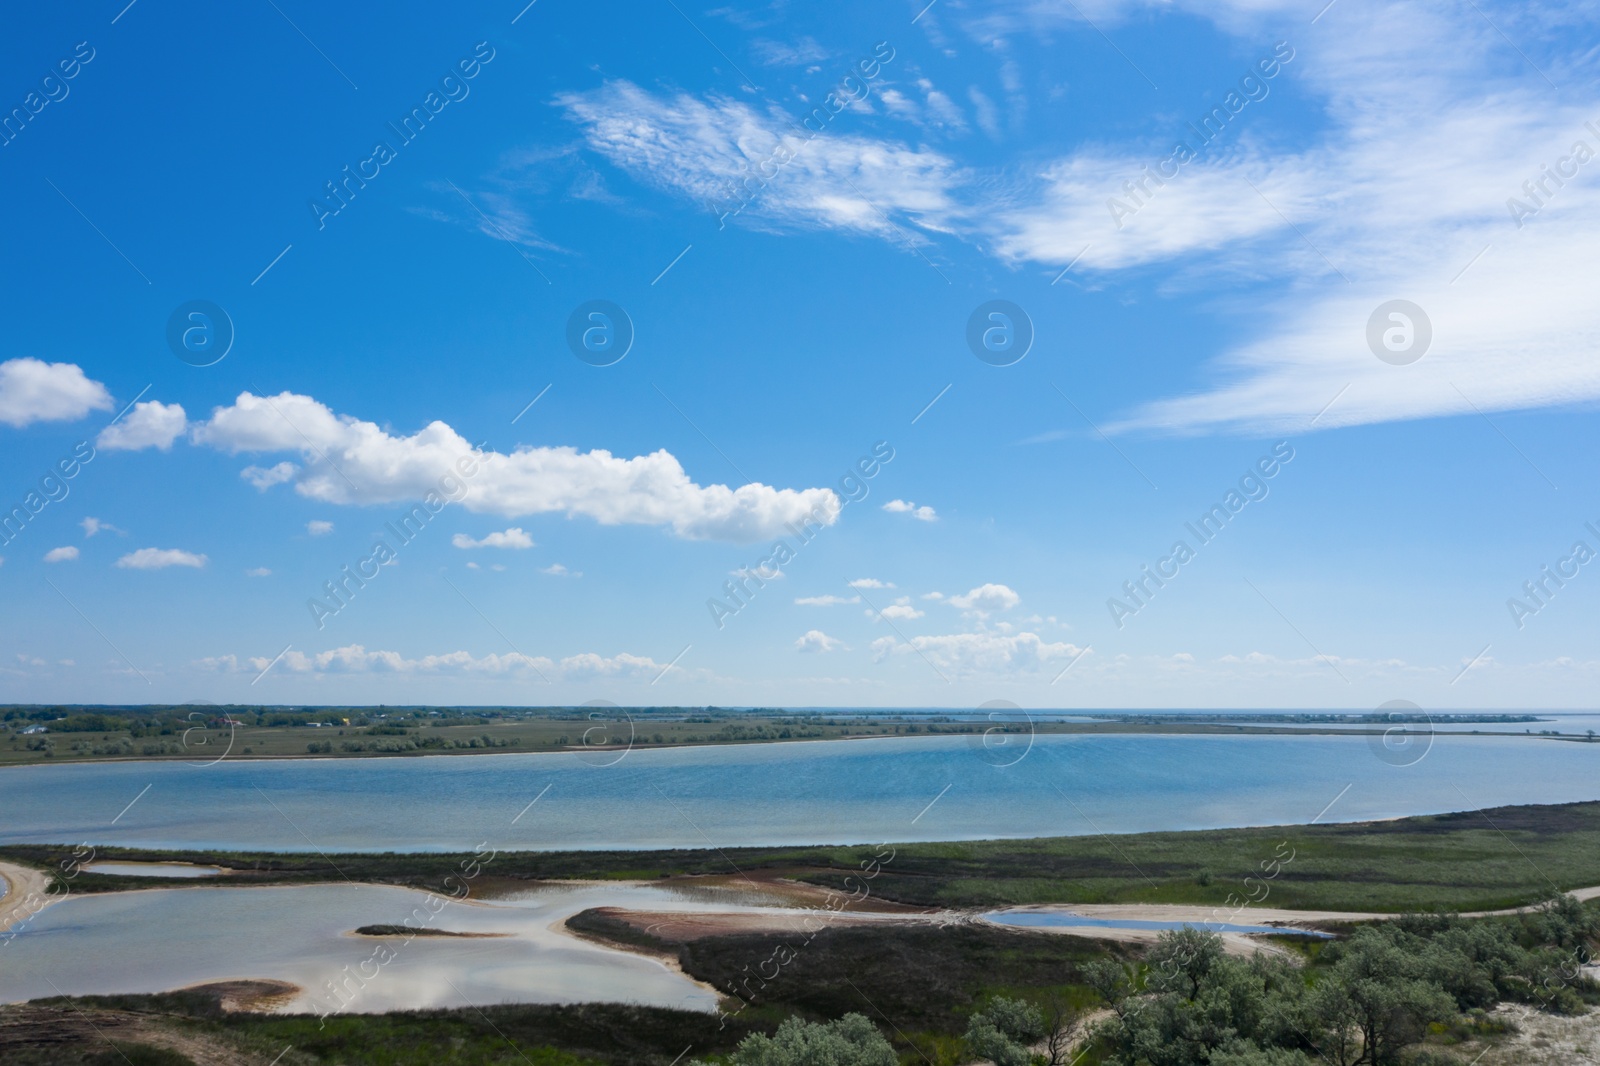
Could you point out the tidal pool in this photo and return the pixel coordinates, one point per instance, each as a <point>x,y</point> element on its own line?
<point>1069,920</point>
<point>181,870</point>
<point>158,940</point>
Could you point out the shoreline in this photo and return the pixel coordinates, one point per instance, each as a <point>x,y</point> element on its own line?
<point>1095,729</point>
<point>22,885</point>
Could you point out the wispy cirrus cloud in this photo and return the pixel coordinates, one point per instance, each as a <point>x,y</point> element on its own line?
<point>701,147</point>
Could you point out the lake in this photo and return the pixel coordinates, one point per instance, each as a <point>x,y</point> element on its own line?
<point>896,789</point>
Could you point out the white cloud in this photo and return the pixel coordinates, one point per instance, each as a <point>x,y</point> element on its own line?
<point>896,612</point>
<point>922,514</point>
<point>353,462</point>
<point>979,652</point>
<point>699,148</point>
<point>510,538</point>
<point>558,570</point>
<point>91,526</point>
<point>259,571</point>
<point>318,527</point>
<point>870,583</point>
<point>264,479</point>
<point>933,596</point>
<point>780,54</point>
<point>32,390</point>
<point>826,601</point>
<point>151,424</point>
<point>61,555</point>
<point>988,597</point>
<point>816,641</point>
<point>356,659</point>
<point>1401,192</point>
<point>160,559</point>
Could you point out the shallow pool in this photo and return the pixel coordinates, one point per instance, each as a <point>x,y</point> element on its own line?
<point>1069,920</point>
<point>152,869</point>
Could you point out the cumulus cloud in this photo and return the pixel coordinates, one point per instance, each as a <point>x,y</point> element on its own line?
<point>825,601</point>
<point>870,583</point>
<point>258,571</point>
<point>348,461</point>
<point>896,612</point>
<point>510,538</point>
<point>151,424</point>
<point>558,570</point>
<point>61,555</point>
<point>32,390</point>
<point>160,559</point>
<point>815,641</point>
<point>988,597</point>
<point>318,527</point>
<point>921,514</point>
<point>967,653</point>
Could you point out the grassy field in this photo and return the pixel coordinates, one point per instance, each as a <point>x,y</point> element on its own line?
<point>1481,860</point>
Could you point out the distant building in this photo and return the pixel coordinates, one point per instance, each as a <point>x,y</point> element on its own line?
<point>34,729</point>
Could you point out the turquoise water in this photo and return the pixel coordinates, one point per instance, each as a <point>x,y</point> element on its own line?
<point>838,791</point>
<point>1068,920</point>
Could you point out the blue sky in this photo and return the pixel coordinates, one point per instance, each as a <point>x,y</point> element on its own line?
<point>1184,327</point>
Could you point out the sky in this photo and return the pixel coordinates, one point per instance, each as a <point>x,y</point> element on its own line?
<point>1107,354</point>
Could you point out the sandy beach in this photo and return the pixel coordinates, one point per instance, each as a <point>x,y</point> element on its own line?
<point>24,893</point>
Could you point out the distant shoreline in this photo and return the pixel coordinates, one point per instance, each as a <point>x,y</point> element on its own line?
<point>864,728</point>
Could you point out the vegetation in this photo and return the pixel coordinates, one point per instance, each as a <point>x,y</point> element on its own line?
<point>1007,1031</point>
<point>203,731</point>
<point>851,1041</point>
<point>1396,993</point>
<point>1479,860</point>
<point>71,1031</point>
<point>1362,1002</point>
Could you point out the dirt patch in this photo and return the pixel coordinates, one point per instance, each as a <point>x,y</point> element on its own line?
<point>1541,1040</point>
<point>252,995</point>
<point>679,927</point>
<point>70,1034</point>
<point>24,893</point>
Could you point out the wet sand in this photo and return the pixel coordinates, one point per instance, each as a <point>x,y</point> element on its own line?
<point>24,893</point>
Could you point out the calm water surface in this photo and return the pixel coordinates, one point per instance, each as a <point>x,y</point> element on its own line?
<point>761,794</point>
<point>164,939</point>
<point>178,870</point>
<point>1068,920</point>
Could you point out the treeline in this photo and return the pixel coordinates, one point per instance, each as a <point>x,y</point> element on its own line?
<point>1389,994</point>
<point>1364,1001</point>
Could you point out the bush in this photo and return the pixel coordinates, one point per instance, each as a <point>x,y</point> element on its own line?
<point>849,1041</point>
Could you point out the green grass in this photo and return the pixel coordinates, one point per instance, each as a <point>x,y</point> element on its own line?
<point>1483,860</point>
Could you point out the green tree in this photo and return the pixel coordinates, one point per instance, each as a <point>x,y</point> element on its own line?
<point>1378,999</point>
<point>1004,1031</point>
<point>849,1041</point>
